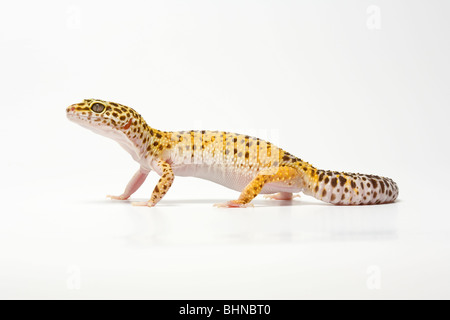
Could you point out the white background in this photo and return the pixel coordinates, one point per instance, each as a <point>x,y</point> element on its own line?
<point>333,82</point>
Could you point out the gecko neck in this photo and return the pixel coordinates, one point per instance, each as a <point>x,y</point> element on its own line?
<point>139,142</point>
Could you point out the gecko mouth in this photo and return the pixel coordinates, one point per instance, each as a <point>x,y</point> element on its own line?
<point>83,118</point>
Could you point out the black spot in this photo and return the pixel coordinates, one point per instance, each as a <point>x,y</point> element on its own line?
<point>342,180</point>
<point>333,182</point>
<point>382,186</point>
<point>353,184</point>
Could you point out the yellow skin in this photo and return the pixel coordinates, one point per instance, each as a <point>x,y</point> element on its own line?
<point>240,162</point>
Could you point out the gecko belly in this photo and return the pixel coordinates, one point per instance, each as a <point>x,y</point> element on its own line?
<point>230,177</point>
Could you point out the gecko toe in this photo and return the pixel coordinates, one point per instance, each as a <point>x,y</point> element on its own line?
<point>233,204</point>
<point>143,204</point>
<point>116,197</point>
<point>282,196</point>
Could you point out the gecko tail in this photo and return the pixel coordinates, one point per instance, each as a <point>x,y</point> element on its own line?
<point>343,188</point>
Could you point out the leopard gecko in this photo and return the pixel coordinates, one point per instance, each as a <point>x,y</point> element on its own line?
<point>243,163</point>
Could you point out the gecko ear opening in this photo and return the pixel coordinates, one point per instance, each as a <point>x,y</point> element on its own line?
<point>97,107</point>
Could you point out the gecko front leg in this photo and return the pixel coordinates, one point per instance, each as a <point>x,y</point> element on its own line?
<point>163,185</point>
<point>134,184</point>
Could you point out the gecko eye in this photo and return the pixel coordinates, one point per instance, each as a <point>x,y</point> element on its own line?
<point>97,107</point>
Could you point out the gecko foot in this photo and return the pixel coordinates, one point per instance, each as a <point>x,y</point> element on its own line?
<point>233,204</point>
<point>282,196</point>
<point>117,197</point>
<point>143,204</point>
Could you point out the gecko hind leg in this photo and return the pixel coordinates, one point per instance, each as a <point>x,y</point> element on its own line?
<point>281,196</point>
<point>279,174</point>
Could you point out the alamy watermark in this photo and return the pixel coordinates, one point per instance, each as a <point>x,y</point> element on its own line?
<point>373,281</point>
<point>73,21</point>
<point>373,21</point>
<point>73,280</point>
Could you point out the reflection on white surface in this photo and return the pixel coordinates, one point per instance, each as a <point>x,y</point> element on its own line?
<point>64,247</point>
<point>269,222</point>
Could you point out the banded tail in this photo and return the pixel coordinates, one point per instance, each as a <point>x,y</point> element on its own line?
<point>343,188</point>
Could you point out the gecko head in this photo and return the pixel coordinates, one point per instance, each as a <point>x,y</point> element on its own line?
<point>102,116</point>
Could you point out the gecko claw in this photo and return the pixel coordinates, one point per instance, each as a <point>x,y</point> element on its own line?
<point>233,204</point>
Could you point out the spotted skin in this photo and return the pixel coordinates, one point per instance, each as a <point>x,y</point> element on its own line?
<point>163,185</point>
<point>246,164</point>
